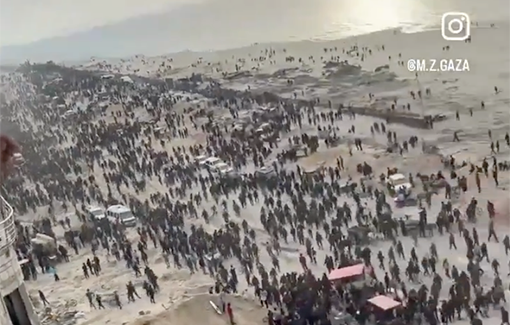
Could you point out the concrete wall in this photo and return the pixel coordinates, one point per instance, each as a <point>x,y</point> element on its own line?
<point>4,315</point>
<point>11,278</point>
<point>410,120</point>
<point>10,272</point>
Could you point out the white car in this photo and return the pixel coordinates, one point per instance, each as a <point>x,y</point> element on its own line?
<point>223,169</point>
<point>123,214</point>
<point>200,160</point>
<point>398,181</point>
<point>107,76</point>
<point>95,213</point>
<point>211,162</point>
<point>265,171</point>
<point>68,114</point>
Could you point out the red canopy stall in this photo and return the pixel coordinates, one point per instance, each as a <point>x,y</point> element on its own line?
<point>348,273</point>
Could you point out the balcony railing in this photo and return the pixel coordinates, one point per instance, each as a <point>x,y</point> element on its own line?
<point>7,227</point>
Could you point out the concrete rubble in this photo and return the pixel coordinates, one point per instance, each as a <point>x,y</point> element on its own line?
<point>61,314</point>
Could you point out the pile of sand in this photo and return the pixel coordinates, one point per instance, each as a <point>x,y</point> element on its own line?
<point>198,310</point>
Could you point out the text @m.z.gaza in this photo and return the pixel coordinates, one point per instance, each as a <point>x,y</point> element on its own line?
<point>438,65</point>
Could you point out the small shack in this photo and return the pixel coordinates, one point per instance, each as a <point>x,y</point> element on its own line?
<point>348,274</point>
<point>384,303</point>
<point>383,308</point>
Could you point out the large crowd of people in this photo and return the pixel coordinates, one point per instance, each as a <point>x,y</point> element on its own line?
<point>90,141</point>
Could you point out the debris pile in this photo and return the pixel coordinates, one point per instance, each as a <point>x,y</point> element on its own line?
<point>61,314</point>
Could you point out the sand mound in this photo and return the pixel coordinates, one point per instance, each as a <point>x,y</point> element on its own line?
<point>343,70</point>
<point>283,73</point>
<point>198,310</point>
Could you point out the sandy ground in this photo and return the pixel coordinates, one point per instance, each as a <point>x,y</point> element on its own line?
<point>246,312</point>
<point>451,91</point>
<point>182,292</point>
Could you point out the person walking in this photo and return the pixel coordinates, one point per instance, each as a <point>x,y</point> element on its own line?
<point>230,314</point>
<point>42,296</point>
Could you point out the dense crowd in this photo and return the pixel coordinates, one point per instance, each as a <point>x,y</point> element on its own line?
<point>78,156</point>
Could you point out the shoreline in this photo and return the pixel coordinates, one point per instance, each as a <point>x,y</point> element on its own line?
<point>452,92</point>
<point>407,30</point>
<point>187,63</point>
<point>313,42</point>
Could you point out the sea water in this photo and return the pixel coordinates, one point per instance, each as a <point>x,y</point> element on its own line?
<point>222,24</point>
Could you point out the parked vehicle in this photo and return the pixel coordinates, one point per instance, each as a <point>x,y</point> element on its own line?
<point>223,169</point>
<point>211,162</point>
<point>122,214</point>
<point>95,213</point>
<point>399,181</point>
<point>200,160</point>
<point>265,172</point>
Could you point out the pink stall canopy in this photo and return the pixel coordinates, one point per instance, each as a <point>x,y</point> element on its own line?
<point>346,272</point>
<point>384,302</point>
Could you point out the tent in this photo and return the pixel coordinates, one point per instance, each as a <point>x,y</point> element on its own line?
<point>384,302</point>
<point>346,272</point>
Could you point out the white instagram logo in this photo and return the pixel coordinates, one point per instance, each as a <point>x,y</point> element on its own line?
<point>455,26</point>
